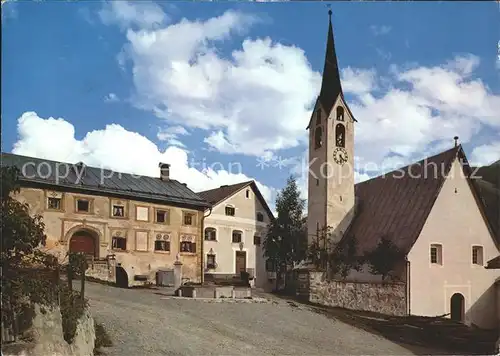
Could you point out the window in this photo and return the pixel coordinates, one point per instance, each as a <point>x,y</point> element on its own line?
<point>54,203</point>
<point>260,217</point>
<point>118,211</point>
<point>119,243</point>
<point>340,135</point>
<point>318,117</point>
<point>188,246</point>
<point>318,137</point>
<point>436,254</point>
<point>340,113</point>
<point>317,181</point>
<point>161,216</point>
<point>162,245</point>
<point>256,240</point>
<point>188,219</point>
<point>230,210</point>
<point>477,255</point>
<point>247,193</point>
<point>210,234</point>
<point>82,205</point>
<point>211,261</point>
<point>237,236</point>
<point>142,213</point>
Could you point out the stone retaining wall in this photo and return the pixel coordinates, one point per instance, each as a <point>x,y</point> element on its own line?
<point>385,298</point>
<point>45,336</point>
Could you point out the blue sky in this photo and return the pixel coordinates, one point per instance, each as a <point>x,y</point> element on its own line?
<point>130,83</point>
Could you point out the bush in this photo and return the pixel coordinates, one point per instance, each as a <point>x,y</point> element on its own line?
<point>72,309</point>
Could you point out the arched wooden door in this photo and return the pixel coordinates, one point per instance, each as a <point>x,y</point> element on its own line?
<point>457,307</point>
<point>83,241</point>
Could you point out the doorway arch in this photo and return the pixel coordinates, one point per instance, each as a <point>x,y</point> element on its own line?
<point>84,241</point>
<point>121,277</point>
<point>457,307</point>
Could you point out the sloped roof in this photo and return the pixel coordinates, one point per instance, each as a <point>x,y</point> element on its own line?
<point>62,176</point>
<point>494,263</point>
<point>396,205</point>
<point>217,195</point>
<point>330,85</point>
<point>490,199</point>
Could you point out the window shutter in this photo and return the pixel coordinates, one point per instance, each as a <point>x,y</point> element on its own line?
<point>193,247</point>
<point>167,243</point>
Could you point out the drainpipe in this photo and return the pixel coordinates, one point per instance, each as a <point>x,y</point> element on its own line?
<point>203,243</point>
<point>408,286</point>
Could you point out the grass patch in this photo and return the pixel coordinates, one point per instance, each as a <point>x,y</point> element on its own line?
<point>102,338</point>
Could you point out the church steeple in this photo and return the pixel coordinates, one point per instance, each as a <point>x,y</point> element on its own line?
<point>330,85</point>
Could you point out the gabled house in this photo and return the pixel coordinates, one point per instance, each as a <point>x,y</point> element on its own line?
<point>142,223</point>
<point>234,233</point>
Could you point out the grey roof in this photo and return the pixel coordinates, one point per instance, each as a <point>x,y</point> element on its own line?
<point>63,176</point>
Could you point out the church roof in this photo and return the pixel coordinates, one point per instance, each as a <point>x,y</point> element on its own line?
<point>396,205</point>
<point>330,85</point>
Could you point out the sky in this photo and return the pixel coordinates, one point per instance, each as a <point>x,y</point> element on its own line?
<point>223,91</point>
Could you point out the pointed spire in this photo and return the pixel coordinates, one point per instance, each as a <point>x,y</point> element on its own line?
<point>330,85</point>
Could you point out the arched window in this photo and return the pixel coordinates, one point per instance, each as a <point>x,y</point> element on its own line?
<point>340,113</point>
<point>210,234</point>
<point>318,137</point>
<point>340,135</point>
<point>318,117</point>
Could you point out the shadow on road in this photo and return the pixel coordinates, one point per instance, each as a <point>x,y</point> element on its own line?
<point>420,335</point>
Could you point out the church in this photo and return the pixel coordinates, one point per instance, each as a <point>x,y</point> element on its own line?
<point>432,211</point>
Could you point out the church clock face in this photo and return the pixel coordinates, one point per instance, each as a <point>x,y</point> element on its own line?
<point>340,156</point>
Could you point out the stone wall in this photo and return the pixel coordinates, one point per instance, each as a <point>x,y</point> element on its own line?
<point>385,298</point>
<point>46,336</point>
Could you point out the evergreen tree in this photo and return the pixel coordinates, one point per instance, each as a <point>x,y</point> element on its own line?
<point>286,240</point>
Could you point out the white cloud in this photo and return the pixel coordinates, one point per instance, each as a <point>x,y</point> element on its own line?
<point>111,98</point>
<point>143,14</point>
<point>380,30</point>
<point>171,135</point>
<point>420,106</point>
<point>255,100</point>
<point>120,150</point>
<point>358,81</point>
<point>485,154</point>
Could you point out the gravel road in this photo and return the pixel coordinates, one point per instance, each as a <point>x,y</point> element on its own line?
<point>143,322</point>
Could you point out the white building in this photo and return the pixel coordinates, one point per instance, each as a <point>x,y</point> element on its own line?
<point>234,233</point>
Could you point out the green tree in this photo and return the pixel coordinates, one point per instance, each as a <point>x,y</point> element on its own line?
<point>286,239</point>
<point>22,234</point>
<point>344,258</point>
<point>384,258</point>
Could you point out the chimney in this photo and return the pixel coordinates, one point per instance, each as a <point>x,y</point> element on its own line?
<point>164,171</point>
<point>456,140</point>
